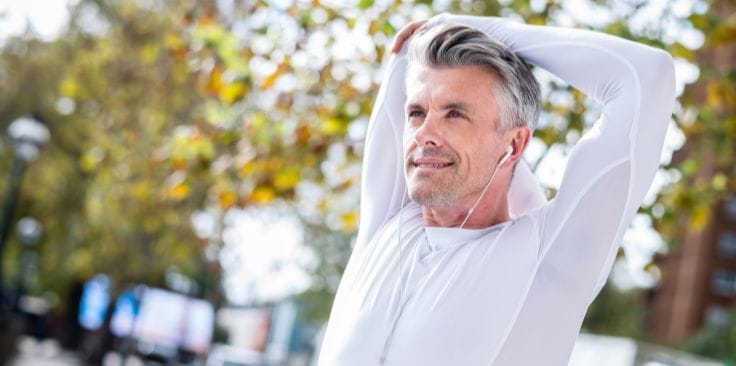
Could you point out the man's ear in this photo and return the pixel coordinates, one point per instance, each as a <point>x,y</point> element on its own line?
<point>518,138</point>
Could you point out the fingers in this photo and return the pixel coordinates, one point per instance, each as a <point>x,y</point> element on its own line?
<point>405,33</point>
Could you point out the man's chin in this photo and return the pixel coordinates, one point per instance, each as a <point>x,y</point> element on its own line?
<point>428,198</point>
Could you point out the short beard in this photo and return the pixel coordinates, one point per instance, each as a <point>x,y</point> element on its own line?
<point>436,196</point>
<point>444,193</point>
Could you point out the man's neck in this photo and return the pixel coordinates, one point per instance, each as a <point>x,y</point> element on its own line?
<point>490,211</point>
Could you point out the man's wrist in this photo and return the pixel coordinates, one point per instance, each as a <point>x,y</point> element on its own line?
<point>437,20</point>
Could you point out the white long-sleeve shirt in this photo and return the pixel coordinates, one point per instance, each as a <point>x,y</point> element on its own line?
<point>514,293</point>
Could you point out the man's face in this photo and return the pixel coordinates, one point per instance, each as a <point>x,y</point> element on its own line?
<point>450,141</point>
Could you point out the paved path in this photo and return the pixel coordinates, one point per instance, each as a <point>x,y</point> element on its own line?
<point>49,353</point>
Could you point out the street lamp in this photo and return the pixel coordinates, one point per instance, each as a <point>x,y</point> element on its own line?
<point>29,230</point>
<point>27,136</point>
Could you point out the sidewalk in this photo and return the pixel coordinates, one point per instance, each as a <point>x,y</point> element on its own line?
<point>48,353</point>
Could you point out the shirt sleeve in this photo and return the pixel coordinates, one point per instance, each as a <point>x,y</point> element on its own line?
<point>612,166</point>
<point>382,182</point>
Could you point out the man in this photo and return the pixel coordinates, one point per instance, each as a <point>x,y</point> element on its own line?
<point>476,268</point>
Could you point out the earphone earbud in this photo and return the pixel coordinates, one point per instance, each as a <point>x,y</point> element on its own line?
<point>509,151</point>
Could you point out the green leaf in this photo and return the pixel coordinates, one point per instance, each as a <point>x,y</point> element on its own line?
<point>365,4</point>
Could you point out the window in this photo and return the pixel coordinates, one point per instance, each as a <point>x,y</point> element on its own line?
<point>719,316</point>
<point>724,283</point>
<point>727,245</point>
<point>729,208</point>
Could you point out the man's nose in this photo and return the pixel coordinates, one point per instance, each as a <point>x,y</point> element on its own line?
<point>428,134</point>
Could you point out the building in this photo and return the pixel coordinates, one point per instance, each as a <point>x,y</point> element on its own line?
<point>698,280</point>
<point>698,283</point>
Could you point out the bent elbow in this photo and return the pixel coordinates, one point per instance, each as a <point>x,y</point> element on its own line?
<point>661,75</point>
<point>666,66</point>
<point>657,78</point>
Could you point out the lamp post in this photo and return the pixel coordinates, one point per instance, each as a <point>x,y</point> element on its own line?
<point>29,231</point>
<point>27,136</point>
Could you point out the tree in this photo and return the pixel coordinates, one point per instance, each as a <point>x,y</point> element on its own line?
<point>159,110</point>
<point>102,188</point>
<point>707,162</point>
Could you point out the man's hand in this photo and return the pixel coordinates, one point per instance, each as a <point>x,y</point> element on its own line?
<point>406,33</point>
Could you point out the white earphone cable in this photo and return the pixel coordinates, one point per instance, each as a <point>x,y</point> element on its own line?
<point>401,277</point>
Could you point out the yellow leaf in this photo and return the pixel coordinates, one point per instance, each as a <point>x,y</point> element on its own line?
<point>214,83</point>
<point>714,95</point>
<point>172,40</point>
<point>141,191</point>
<point>87,163</point>
<point>232,92</point>
<point>270,80</point>
<point>349,221</point>
<point>178,191</point>
<point>177,187</point>
<point>303,134</point>
<point>207,19</point>
<point>204,147</point>
<point>331,126</point>
<point>322,205</point>
<point>537,20</point>
<point>69,87</point>
<point>286,179</point>
<point>262,195</point>
<point>699,217</point>
<point>227,199</point>
<point>258,120</point>
<point>149,53</point>
<point>345,184</point>
<point>560,109</point>
<point>91,159</point>
<point>247,168</point>
<point>719,182</point>
<point>679,50</point>
<point>729,126</point>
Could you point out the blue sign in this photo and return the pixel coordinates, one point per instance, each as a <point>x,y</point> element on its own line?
<point>94,302</point>
<point>124,315</point>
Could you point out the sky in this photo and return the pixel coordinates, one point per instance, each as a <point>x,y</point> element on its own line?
<point>48,19</point>
<point>263,255</point>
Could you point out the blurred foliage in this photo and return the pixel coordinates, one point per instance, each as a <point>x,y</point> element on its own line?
<point>708,120</point>
<point>617,313</point>
<point>716,341</point>
<point>104,188</point>
<point>159,110</point>
<point>333,252</point>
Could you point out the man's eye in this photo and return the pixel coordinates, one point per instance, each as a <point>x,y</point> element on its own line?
<point>413,114</point>
<point>454,114</point>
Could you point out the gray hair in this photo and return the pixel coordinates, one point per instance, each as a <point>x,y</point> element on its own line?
<point>454,45</point>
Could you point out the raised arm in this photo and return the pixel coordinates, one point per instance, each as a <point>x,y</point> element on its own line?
<point>611,168</point>
<point>382,182</point>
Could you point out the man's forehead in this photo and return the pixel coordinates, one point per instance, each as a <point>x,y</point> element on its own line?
<point>447,84</point>
<point>415,70</point>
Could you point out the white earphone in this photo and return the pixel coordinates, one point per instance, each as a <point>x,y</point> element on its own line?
<point>506,155</point>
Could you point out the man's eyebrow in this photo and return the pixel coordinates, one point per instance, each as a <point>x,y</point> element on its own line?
<point>414,106</point>
<point>452,105</point>
<point>457,105</point>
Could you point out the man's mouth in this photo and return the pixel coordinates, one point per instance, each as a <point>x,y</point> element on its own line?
<point>430,163</point>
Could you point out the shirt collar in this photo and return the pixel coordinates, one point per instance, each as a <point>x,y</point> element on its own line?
<point>441,238</point>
